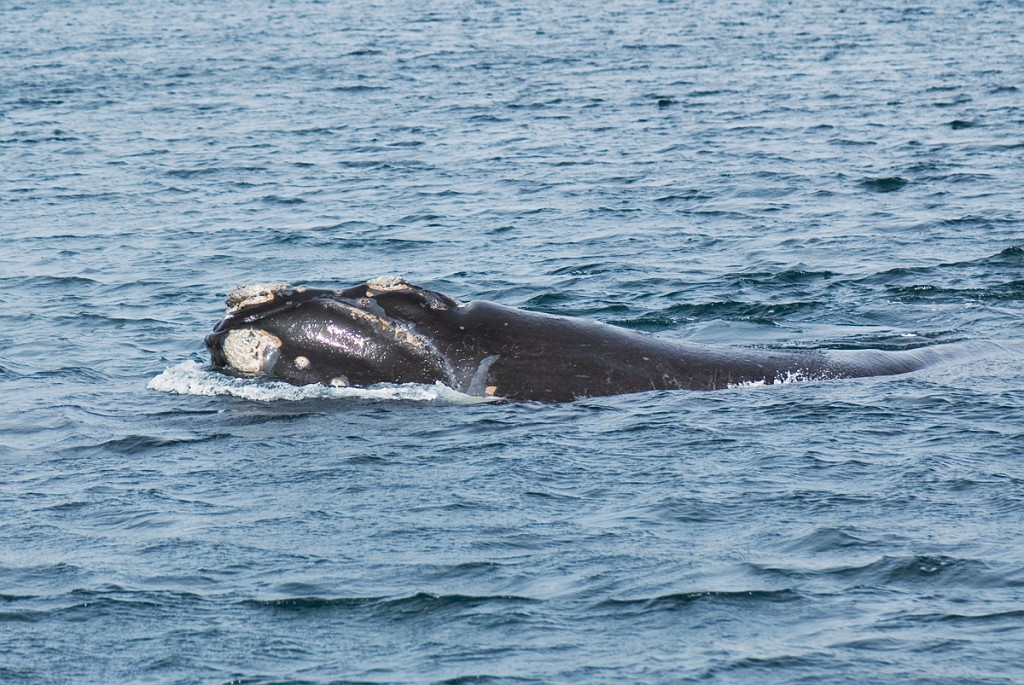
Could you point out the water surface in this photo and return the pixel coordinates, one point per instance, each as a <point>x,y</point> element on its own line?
<point>727,173</point>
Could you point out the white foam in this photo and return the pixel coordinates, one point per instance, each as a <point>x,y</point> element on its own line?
<point>192,378</point>
<point>781,379</point>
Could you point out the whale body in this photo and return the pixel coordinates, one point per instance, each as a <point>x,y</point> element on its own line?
<point>390,331</point>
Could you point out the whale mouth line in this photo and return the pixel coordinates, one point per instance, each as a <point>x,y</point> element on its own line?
<point>252,340</point>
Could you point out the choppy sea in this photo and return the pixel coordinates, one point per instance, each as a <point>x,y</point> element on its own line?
<point>774,174</point>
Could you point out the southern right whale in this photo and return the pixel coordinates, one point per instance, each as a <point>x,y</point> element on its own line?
<point>389,331</point>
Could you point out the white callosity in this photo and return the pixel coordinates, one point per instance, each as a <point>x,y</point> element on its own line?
<point>385,283</point>
<point>255,293</point>
<point>250,350</point>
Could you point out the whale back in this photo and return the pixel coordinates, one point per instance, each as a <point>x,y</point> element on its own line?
<point>388,331</point>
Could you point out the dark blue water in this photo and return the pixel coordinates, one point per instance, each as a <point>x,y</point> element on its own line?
<point>770,174</point>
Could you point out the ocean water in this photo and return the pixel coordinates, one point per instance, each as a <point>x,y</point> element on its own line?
<point>767,174</point>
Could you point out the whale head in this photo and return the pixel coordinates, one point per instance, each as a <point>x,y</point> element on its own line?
<point>375,332</point>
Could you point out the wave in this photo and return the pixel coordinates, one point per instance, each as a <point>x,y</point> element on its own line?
<point>192,378</point>
<point>886,184</point>
<point>682,600</point>
<point>411,606</point>
<point>903,571</point>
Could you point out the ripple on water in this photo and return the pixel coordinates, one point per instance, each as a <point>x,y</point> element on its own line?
<point>802,177</point>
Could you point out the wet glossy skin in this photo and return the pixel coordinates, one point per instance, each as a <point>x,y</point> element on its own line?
<point>394,332</point>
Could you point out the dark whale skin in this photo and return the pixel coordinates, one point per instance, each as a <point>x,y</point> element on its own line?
<point>390,331</point>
